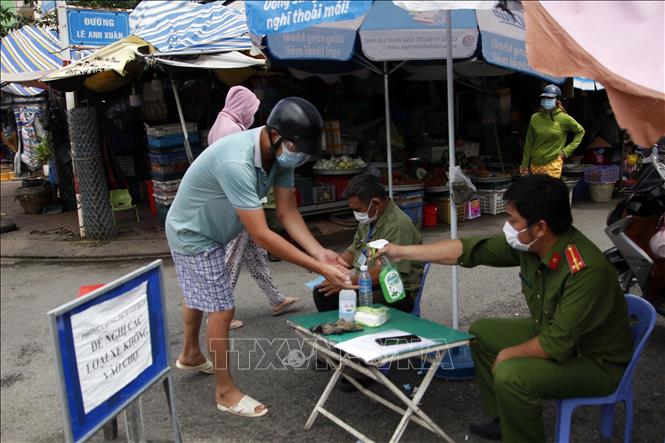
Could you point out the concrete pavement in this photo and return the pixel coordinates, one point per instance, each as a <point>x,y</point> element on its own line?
<point>31,409</point>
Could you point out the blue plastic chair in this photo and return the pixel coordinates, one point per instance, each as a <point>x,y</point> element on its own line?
<point>416,306</point>
<point>643,318</point>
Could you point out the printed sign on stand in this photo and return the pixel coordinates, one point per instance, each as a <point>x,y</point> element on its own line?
<point>111,346</point>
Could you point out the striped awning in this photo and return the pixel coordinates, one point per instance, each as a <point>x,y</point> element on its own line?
<point>28,54</point>
<point>175,27</point>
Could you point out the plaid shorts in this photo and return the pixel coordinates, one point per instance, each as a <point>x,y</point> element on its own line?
<point>204,280</point>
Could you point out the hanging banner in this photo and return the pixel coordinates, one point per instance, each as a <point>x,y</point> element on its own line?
<point>269,17</point>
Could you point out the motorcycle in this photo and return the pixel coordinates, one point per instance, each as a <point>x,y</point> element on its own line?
<point>632,225</point>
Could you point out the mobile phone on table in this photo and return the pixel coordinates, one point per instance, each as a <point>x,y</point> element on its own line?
<point>398,340</point>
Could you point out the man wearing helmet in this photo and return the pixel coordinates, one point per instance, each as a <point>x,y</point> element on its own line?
<point>221,193</point>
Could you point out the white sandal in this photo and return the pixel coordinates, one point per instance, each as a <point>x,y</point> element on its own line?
<point>205,367</point>
<point>246,407</point>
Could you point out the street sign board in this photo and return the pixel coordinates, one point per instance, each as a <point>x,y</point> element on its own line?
<point>111,345</point>
<point>93,27</point>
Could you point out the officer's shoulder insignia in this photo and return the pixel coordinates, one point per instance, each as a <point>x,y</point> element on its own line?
<point>575,261</point>
<point>554,262</point>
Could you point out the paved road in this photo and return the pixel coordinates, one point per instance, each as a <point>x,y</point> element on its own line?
<point>31,410</point>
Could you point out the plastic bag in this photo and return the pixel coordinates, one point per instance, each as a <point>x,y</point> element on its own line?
<point>462,189</point>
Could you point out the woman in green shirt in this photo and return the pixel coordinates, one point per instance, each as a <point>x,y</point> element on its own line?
<point>545,148</point>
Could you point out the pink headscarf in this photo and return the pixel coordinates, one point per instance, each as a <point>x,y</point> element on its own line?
<point>237,115</point>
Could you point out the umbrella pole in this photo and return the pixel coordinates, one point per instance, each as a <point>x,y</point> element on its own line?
<point>451,158</point>
<point>389,153</point>
<point>188,148</point>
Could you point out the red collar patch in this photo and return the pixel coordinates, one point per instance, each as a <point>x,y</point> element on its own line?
<point>553,264</point>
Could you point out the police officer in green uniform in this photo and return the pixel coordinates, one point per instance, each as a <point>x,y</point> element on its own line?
<point>577,341</point>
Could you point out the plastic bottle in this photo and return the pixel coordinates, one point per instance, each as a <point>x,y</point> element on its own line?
<point>391,282</point>
<point>365,287</point>
<point>347,304</point>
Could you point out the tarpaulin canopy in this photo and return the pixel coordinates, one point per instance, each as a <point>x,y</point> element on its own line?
<point>186,27</point>
<point>28,54</point>
<point>104,70</point>
<point>618,43</point>
<point>180,30</point>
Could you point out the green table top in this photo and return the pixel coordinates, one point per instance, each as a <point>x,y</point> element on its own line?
<point>398,320</point>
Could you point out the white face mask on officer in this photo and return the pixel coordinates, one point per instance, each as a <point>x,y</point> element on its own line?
<point>363,217</point>
<point>511,237</point>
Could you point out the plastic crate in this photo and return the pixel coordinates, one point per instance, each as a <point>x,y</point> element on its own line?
<point>408,198</point>
<point>491,201</point>
<point>601,174</point>
<point>163,200</point>
<point>169,129</point>
<point>168,158</point>
<point>166,185</point>
<point>171,168</point>
<point>323,194</point>
<point>174,140</point>
<point>415,213</point>
<point>166,176</point>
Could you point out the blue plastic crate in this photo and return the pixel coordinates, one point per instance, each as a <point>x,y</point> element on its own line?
<point>415,212</point>
<point>160,176</point>
<point>173,140</point>
<point>167,158</point>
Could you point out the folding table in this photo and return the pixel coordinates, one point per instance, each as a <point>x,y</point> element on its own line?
<point>445,338</point>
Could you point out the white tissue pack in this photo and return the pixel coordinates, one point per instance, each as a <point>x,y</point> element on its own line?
<point>371,317</point>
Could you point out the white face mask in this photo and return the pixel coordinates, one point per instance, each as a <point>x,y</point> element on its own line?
<point>548,103</point>
<point>657,243</point>
<point>511,237</point>
<point>363,217</point>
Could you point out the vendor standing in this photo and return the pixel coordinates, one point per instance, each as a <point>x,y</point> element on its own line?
<point>219,195</point>
<point>545,148</point>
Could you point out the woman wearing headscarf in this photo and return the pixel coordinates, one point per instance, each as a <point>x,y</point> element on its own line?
<point>545,148</point>
<point>238,115</point>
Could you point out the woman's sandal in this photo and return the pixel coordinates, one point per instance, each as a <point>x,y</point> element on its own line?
<point>286,306</point>
<point>246,407</point>
<point>205,367</point>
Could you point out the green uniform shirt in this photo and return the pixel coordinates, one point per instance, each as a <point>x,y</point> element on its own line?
<point>546,137</point>
<point>396,227</point>
<point>574,313</point>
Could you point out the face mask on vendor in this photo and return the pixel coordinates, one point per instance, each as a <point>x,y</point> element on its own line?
<point>512,237</point>
<point>363,217</point>
<point>548,103</point>
<point>290,157</point>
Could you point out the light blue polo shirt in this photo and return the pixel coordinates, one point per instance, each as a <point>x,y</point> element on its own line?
<point>227,175</point>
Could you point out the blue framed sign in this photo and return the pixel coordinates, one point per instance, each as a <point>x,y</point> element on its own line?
<point>88,27</point>
<point>111,345</point>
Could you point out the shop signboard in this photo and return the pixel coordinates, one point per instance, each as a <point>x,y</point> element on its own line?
<point>111,345</point>
<point>88,27</point>
<point>268,17</point>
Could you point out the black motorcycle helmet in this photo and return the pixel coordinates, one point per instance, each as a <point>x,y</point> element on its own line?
<point>297,120</point>
<point>551,91</point>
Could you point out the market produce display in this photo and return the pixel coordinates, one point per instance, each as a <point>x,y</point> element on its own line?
<point>437,177</point>
<point>340,163</point>
<point>400,179</point>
